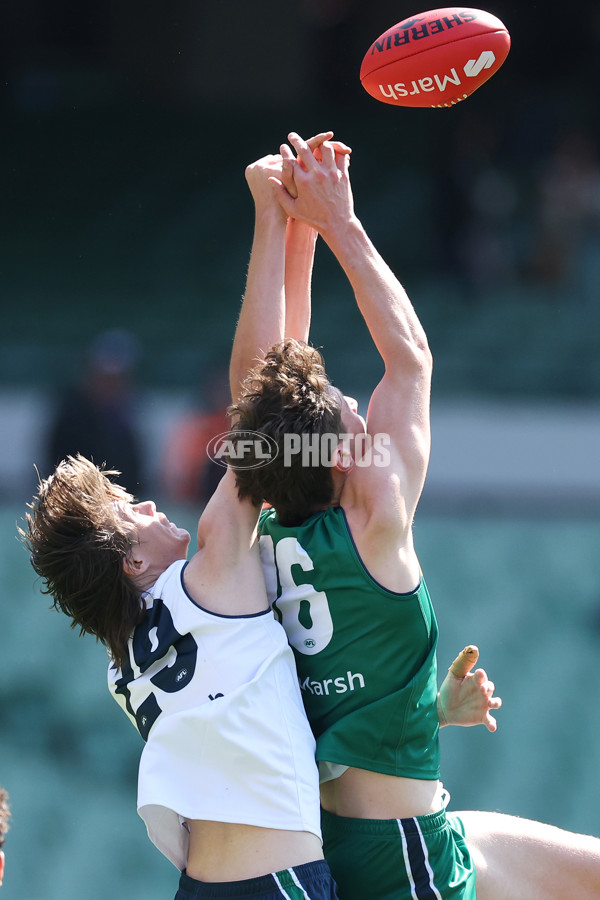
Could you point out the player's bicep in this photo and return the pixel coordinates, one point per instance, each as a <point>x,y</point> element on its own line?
<point>389,487</point>
<point>399,411</point>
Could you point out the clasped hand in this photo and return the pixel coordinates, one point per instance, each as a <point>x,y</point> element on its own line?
<point>311,187</point>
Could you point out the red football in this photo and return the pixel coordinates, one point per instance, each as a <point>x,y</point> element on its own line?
<point>436,58</point>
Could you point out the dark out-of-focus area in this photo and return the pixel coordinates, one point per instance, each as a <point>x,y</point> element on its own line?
<point>125,237</point>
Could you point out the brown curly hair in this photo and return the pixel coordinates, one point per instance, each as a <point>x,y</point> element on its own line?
<point>77,542</point>
<point>4,815</point>
<point>289,393</point>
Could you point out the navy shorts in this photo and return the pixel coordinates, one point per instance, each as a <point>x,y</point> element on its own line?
<point>311,881</point>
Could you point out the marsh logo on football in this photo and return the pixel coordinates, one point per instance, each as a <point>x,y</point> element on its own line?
<point>242,449</point>
<point>474,67</point>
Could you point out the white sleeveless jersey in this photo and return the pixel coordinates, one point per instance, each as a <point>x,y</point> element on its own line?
<point>217,700</point>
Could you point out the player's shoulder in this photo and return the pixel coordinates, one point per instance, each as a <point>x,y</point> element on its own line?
<point>383,540</point>
<point>380,482</point>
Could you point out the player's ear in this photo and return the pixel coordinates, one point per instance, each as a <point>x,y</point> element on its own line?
<point>343,460</point>
<point>133,566</point>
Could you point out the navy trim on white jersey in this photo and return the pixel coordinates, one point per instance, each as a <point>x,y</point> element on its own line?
<point>211,612</point>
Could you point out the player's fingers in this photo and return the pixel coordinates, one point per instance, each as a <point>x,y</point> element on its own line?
<point>342,161</point>
<point>303,151</point>
<point>327,154</point>
<point>288,182</point>
<point>341,149</point>
<point>282,195</point>
<point>287,174</point>
<point>290,155</point>
<point>465,660</point>
<point>495,702</point>
<point>490,723</point>
<point>318,139</point>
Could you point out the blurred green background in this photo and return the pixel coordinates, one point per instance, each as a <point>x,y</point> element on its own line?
<point>125,132</point>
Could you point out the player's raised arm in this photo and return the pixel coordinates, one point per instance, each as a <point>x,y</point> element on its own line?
<point>300,241</point>
<point>300,244</point>
<point>400,404</point>
<point>262,318</point>
<point>280,267</point>
<point>226,531</point>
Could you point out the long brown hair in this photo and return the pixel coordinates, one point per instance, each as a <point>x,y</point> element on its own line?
<point>77,542</point>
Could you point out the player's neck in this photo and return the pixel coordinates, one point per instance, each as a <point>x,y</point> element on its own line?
<point>339,481</point>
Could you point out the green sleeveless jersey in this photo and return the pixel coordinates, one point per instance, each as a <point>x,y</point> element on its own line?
<point>366,656</point>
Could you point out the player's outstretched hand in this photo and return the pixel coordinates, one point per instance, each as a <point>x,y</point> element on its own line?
<point>315,144</point>
<point>257,175</point>
<point>280,166</point>
<point>466,697</point>
<point>315,187</point>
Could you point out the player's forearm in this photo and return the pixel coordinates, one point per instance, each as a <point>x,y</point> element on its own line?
<point>262,318</point>
<point>299,258</point>
<point>383,302</point>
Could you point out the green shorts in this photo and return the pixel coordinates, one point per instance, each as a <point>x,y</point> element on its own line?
<point>425,858</point>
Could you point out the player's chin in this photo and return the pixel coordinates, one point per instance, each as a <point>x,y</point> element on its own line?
<point>181,537</point>
<point>181,532</point>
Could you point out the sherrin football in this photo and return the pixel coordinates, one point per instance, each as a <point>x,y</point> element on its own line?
<point>435,59</point>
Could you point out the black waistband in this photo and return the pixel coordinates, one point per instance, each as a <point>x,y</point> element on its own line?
<point>252,887</point>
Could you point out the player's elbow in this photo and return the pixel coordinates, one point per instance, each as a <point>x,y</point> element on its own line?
<point>424,355</point>
<point>417,357</point>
